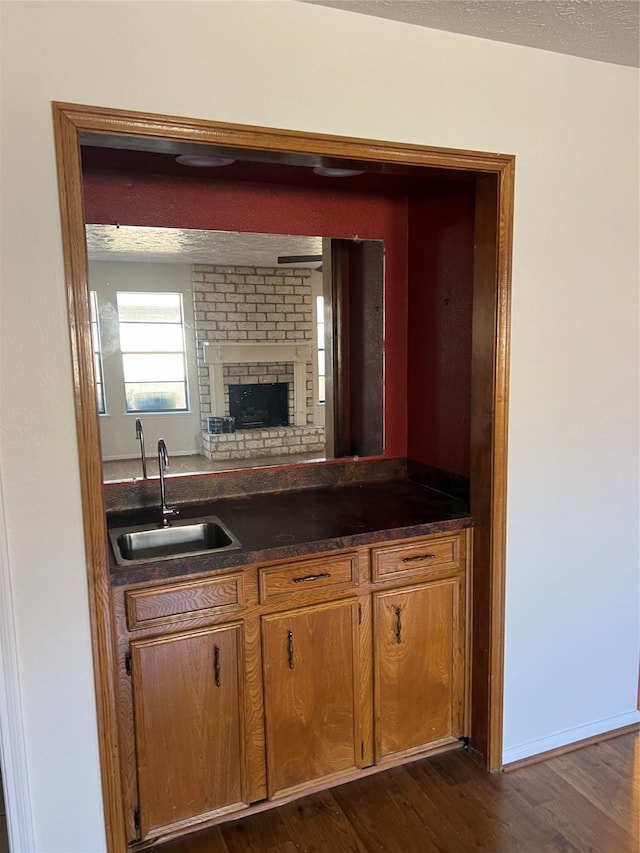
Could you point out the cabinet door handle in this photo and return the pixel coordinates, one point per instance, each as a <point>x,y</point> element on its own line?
<point>306,578</point>
<point>398,624</point>
<point>418,558</point>
<point>216,665</point>
<point>290,646</point>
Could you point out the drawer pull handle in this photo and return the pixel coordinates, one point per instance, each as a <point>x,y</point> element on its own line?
<point>290,646</point>
<point>418,558</point>
<point>216,665</point>
<point>306,578</point>
<point>398,624</point>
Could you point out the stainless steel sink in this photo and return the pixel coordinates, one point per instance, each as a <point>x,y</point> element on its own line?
<point>145,544</point>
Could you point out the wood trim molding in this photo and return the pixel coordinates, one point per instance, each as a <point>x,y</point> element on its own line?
<point>489,436</point>
<point>76,124</point>
<point>102,629</point>
<point>99,120</point>
<point>500,466</point>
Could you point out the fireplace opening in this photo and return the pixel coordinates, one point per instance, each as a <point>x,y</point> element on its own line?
<point>259,405</point>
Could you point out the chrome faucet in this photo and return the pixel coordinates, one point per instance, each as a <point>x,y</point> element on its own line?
<point>163,462</point>
<point>140,437</point>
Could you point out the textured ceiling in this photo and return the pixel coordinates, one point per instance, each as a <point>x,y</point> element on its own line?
<point>182,246</point>
<point>606,30</point>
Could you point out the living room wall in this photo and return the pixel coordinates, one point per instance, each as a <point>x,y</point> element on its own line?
<point>573,493</point>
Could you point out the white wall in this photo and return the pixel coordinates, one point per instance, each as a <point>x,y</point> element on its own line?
<point>572,593</point>
<point>181,431</point>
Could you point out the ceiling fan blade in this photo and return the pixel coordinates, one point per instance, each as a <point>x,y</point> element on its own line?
<point>299,259</point>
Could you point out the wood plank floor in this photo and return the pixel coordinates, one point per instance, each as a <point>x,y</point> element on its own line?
<point>581,802</point>
<point>4,837</point>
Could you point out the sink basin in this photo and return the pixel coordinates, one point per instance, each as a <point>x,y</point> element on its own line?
<point>145,544</point>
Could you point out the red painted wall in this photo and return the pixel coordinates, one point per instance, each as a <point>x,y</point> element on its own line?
<point>440,305</point>
<point>174,202</point>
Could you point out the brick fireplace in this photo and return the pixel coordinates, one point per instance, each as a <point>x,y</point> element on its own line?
<point>257,405</point>
<point>255,326</point>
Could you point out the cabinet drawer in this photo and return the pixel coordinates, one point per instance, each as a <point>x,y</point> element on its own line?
<point>293,579</point>
<point>394,560</point>
<point>157,605</point>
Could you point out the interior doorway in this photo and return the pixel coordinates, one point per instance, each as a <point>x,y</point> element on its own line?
<point>492,177</point>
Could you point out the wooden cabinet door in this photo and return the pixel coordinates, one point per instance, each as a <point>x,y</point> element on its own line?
<point>187,691</point>
<point>311,671</point>
<point>418,667</point>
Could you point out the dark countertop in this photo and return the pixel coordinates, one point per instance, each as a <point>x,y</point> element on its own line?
<point>299,523</point>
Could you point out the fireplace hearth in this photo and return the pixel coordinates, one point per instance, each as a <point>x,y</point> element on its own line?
<point>263,404</point>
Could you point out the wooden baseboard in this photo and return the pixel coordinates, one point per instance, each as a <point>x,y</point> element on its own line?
<point>570,747</point>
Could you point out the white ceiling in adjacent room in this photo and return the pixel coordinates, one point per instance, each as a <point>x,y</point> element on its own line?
<point>188,246</point>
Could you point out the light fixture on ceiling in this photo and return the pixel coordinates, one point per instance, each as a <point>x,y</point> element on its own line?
<point>203,160</point>
<point>330,172</point>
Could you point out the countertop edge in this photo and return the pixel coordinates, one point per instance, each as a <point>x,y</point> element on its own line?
<point>174,569</point>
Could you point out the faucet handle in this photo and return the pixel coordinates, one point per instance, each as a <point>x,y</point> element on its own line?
<point>167,513</point>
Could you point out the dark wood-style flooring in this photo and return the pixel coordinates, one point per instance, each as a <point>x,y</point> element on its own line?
<point>585,801</point>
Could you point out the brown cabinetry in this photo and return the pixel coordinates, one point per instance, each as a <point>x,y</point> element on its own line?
<point>289,581</point>
<point>418,667</point>
<point>311,673</point>
<point>187,699</point>
<point>178,602</point>
<point>281,678</point>
<point>395,562</point>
